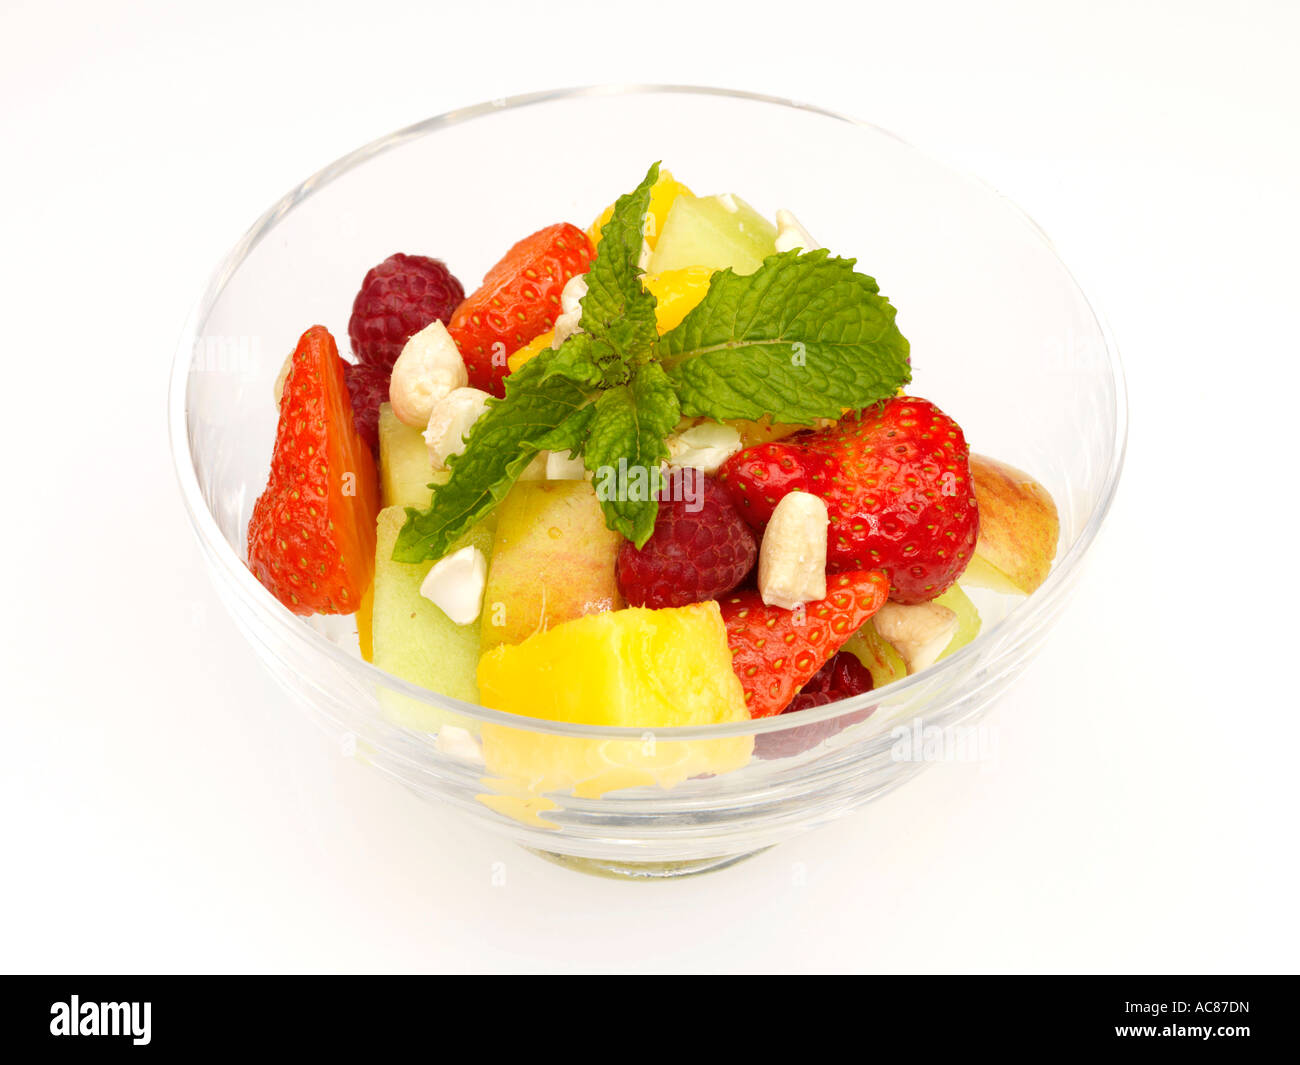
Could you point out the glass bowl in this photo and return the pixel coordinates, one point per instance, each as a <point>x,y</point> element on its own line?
<point>1002,339</point>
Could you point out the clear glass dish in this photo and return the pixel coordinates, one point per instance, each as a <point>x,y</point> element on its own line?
<point>1002,337</point>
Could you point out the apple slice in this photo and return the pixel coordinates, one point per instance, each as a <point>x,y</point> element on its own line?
<point>552,560</point>
<point>1019,529</point>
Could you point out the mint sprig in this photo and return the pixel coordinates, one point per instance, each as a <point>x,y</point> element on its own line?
<point>804,337</point>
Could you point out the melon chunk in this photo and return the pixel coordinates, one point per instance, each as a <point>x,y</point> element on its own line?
<point>416,641</point>
<point>715,232</point>
<point>405,469</point>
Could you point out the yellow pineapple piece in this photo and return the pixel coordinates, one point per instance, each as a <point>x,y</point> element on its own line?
<point>366,623</point>
<point>633,668</point>
<point>662,194</point>
<point>534,347</point>
<point>677,292</point>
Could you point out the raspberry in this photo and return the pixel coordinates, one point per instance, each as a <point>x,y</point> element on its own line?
<point>841,677</point>
<point>700,548</point>
<point>398,298</point>
<point>368,387</point>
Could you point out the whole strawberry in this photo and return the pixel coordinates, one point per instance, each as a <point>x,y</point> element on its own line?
<point>311,538</point>
<point>897,485</point>
<point>776,652</point>
<point>700,548</point>
<point>398,298</point>
<point>368,387</point>
<point>518,301</point>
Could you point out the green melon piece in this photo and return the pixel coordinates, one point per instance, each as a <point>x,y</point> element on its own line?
<point>705,231</point>
<point>415,640</point>
<point>968,618</point>
<point>886,664</point>
<point>404,463</point>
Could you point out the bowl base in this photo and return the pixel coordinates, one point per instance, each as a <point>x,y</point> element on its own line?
<point>616,870</point>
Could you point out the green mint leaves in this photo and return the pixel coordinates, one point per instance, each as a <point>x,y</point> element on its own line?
<point>802,338</point>
<point>628,433</point>
<point>617,308</point>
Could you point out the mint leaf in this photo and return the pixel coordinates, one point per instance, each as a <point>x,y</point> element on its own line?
<point>804,337</point>
<point>571,434</point>
<point>617,308</point>
<point>582,359</point>
<point>500,445</point>
<point>625,447</point>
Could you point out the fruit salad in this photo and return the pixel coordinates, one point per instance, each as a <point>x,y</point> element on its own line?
<point>662,471</point>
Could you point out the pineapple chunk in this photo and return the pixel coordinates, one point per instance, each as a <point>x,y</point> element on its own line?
<point>663,193</point>
<point>633,668</point>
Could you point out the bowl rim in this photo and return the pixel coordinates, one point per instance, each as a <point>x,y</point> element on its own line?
<point>1017,625</point>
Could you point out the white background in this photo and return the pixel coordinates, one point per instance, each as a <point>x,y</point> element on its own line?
<point>160,808</point>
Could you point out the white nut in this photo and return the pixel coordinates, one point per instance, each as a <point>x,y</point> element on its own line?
<point>571,295</point>
<point>452,418</point>
<point>728,202</point>
<point>455,584</point>
<point>704,447</point>
<point>570,309</point>
<point>562,466</point>
<point>792,558</point>
<point>429,367</point>
<point>920,632</point>
<point>790,234</point>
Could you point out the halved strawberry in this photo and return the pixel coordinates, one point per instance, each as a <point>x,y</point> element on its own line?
<point>897,485</point>
<point>311,539</point>
<point>775,652</point>
<point>518,300</point>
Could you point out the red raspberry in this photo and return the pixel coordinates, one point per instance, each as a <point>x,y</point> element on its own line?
<point>398,298</point>
<point>841,677</point>
<point>368,387</point>
<point>700,548</point>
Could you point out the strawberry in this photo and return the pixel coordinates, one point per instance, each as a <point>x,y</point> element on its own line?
<point>775,652</point>
<point>518,301</point>
<point>311,539</point>
<point>897,485</point>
